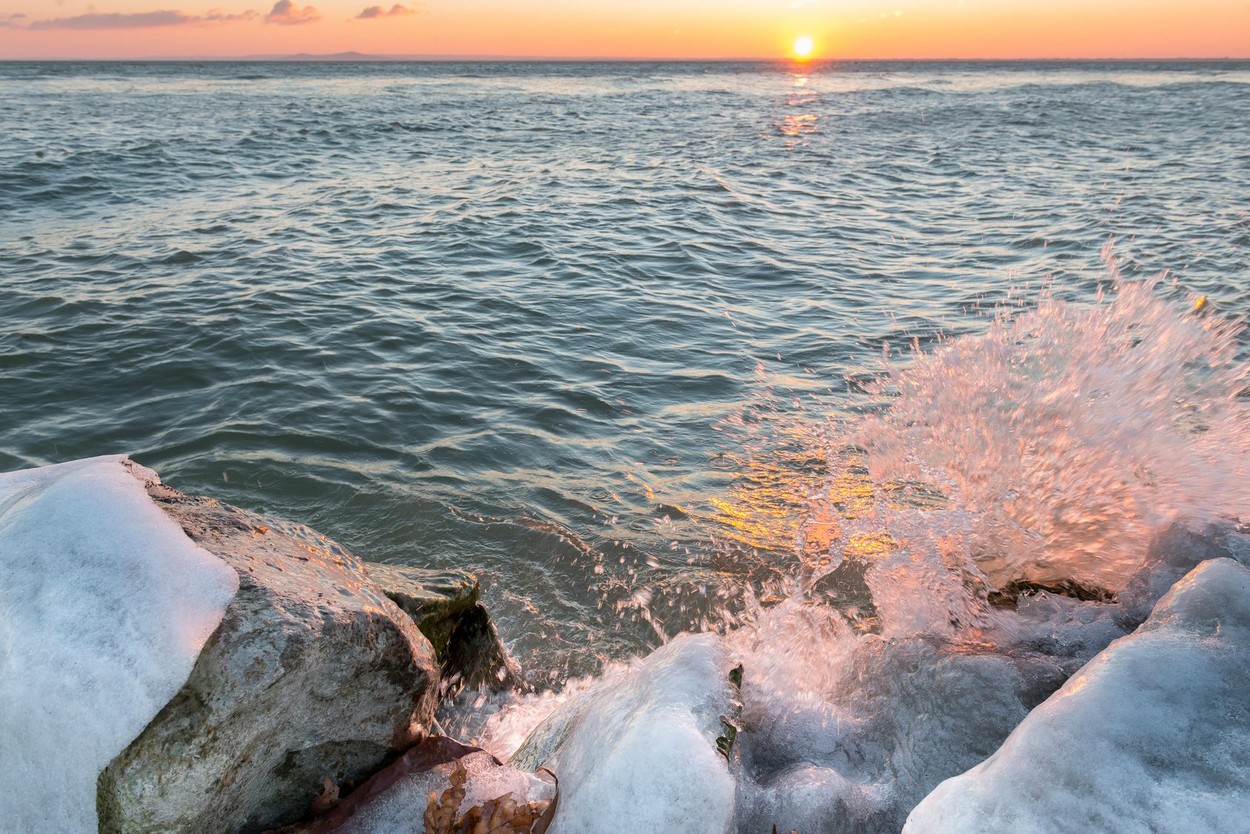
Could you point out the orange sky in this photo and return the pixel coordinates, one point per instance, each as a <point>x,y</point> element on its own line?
<point>624,29</point>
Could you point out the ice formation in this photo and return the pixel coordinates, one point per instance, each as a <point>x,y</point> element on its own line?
<point>104,607</point>
<point>846,732</point>
<point>1152,735</point>
<point>638,752</point>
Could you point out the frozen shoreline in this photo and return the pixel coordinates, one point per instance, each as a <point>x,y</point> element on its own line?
<point>846,735</point>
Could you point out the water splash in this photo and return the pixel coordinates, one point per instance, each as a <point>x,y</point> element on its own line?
<point>1047,450</point>
<point>961,542</point>
<point>1072,434</point>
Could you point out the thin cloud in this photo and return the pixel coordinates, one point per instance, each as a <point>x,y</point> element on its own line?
<point>218,16</point>
<point>375,12</point>
<point>137,20</point>
<point>286,13</point>
<point>13,21</point>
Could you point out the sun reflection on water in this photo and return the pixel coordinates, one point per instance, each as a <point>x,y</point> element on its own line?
<point>802,121</point>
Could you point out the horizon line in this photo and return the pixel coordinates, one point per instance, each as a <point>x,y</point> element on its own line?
<point>368,58</point>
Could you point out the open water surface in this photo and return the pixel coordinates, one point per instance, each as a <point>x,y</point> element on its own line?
<point>526,318</point>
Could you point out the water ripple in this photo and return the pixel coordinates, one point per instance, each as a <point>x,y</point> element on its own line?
<point>495,314</point>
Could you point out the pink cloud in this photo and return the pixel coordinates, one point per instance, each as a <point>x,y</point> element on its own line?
<point>138,20</point>
<point>287,13</point>
<point>374,12</point>
<point>218,16</point>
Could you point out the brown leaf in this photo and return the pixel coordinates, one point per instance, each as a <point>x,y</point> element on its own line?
<point>441,812</point>
<point>501,815</point>
<point>506,817</point>
<point>472,822</point>
<point>329,796</point>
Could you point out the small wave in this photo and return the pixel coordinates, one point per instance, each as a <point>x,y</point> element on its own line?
<point>182,257</point>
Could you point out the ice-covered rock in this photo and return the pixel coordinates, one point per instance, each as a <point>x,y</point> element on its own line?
<point>843,733</point>
<point>1152,735</point>
<point>313,672</point>
<point>840,732</point>
<point>638,750</point>
<point>1172,554</point>
<point>104,607</point>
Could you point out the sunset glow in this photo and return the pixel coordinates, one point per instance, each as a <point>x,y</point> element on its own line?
<point>679,29</point>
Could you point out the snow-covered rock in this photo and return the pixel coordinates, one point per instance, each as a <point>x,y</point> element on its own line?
<point>1151,735</point>
<point>1172,554</point>
<point>104,607</point>
<point>638,750</point>
<point>313,672</point>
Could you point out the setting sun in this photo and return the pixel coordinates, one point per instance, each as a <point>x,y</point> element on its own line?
<point>803,47</point>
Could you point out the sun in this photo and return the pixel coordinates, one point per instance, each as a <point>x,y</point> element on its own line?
<point>803,47</point>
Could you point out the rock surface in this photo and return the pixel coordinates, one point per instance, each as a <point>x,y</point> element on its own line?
<point>446,608</point>
<point>313,672</point>
<point>1151,735</point>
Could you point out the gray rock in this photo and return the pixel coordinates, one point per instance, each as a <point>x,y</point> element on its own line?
<point>446,608</point>
<point>313,672</point>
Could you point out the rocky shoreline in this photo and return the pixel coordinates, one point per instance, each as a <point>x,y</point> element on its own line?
<point>229,671</point>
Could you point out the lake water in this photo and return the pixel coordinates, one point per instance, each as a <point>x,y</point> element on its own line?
<point>570,325</point>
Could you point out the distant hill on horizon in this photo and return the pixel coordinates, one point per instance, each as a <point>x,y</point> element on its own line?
<point>334,56</point>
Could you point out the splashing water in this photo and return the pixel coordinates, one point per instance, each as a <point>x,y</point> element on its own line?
<point>960,552</point>
<point>1072,434</point>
